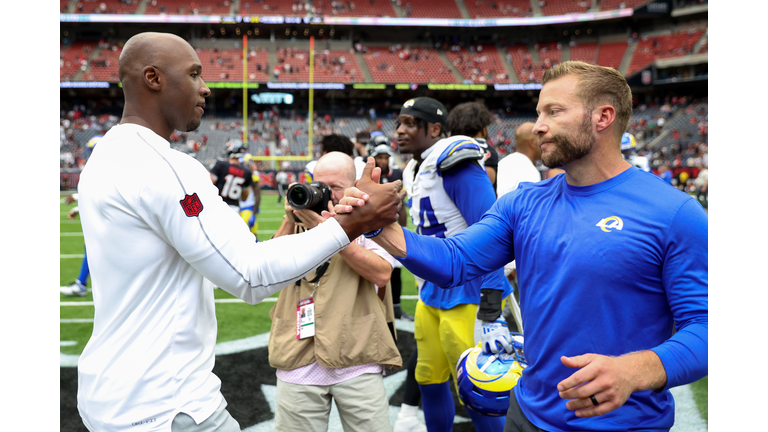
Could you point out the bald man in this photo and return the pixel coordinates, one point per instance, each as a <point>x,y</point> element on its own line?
<point>519,166</point>
<point>152,239</point>
<point>341,357</point>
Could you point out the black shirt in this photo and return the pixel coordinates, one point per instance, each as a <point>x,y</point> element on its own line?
<point>231,179</point>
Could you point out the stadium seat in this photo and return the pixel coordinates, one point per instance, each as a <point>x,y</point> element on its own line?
<point>651,48</point>
<point>407,65</point>
<point>563,7</point>
<point>106,7</point>
<point>361,8</point>
<point>188,7</point>
<point>479,66</point>
<point>430,9</point>
<point>493,9</point>
<point>610,54</point>
<point>621,4</point>
<point>585,52</point>
<point>330,66</point>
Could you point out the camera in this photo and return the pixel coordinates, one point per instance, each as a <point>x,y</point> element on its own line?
<point>313,196</point>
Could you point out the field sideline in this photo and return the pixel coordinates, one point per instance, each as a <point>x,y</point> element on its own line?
<point>242,325</point>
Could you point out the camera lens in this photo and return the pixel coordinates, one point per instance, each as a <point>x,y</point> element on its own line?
<point>301,196</point>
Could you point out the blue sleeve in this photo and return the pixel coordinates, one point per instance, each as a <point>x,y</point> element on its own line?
<point>471,191</point>
<point>484,247</point>
<point>685,276</point>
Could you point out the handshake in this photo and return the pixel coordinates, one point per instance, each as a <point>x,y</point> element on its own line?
<point>369,206</point>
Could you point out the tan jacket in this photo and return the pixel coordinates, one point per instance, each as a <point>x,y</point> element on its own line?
<point>350,323</point>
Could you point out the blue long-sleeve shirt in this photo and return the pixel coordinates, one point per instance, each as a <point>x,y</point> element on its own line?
<point>609,268</point>
<point>469,189</point>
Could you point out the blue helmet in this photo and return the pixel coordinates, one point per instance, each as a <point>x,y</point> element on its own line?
<point>485,381</point>
<point>628,142</point>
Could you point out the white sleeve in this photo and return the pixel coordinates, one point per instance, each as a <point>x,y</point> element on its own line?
<point>219,245</point>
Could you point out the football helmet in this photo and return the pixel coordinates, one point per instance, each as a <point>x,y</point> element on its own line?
<point>235,148</point>
<point>628,143</point>
<point>485,380</point>
<point>377,138</point>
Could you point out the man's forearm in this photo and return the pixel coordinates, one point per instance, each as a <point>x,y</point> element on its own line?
<point>367,264</point>
<point>287,227</point>
<point>646,369</point>
<point>392,240</point>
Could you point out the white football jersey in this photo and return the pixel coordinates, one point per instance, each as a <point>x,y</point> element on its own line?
<point>432,210</point>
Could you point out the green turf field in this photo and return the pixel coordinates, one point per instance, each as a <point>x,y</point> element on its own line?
<point>236,320</point>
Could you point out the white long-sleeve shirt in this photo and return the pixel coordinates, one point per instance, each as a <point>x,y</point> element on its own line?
<point>155,226</point>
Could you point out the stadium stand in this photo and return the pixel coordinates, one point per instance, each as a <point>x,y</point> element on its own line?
<point>362,8</point>
<point>272,7</point>
<point>651,48</point>
<point>330,66</point>
<point>222,64</point>
<point>563,7</point>
<point>521,62</point>
<point>398,64</point>
<point>586,52</point>
<point>621,4</point>
<point>187,7</point>
<point>478,64</point>
<point>104,6</point>
<point>74,58</point>
<point>431,9</point>
<point>493,9</point>
<point>550,54</point>
<point>610,54</point>
<point>104,67</point>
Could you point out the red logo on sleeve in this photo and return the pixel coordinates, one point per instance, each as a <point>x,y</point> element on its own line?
<point>191,205</point>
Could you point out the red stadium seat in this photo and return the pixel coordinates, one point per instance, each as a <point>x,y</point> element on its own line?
<point>563,7</point>
<point>272,7</point>
<point>105,7</point>
<point>585,52</point>
<point>651,48</point>
<point>351,8</point>
<point>188,7</point>
<point>621,4</point>
<point>73,57</point>
<point>498,9</point>
<point>430,9</point>
<point>330,66</point>
<point>483,66</point>
<point>610,54</point>
<point>407,65</point>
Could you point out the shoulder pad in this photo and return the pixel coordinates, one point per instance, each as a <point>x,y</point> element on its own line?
<point>459,151</point>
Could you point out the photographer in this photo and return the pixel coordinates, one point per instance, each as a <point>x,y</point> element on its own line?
<point>329,337</point>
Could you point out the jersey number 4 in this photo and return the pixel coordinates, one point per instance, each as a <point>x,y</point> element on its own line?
<point>426,213</point>
<point>232,187</point>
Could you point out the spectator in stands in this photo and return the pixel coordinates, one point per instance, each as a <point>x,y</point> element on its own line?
<point>315,366</point>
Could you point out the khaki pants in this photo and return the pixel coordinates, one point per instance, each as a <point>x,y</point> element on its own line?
<point>362,404</point>
<point>219,421</point>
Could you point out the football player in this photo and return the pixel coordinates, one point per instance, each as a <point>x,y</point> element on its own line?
<point>249,207</point>
<point>232,180</point>
<point>448,190</point>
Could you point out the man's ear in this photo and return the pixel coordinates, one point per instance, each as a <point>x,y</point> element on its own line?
<point>434,129</point>
<point>151,77</point>
<point>606,115</point>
